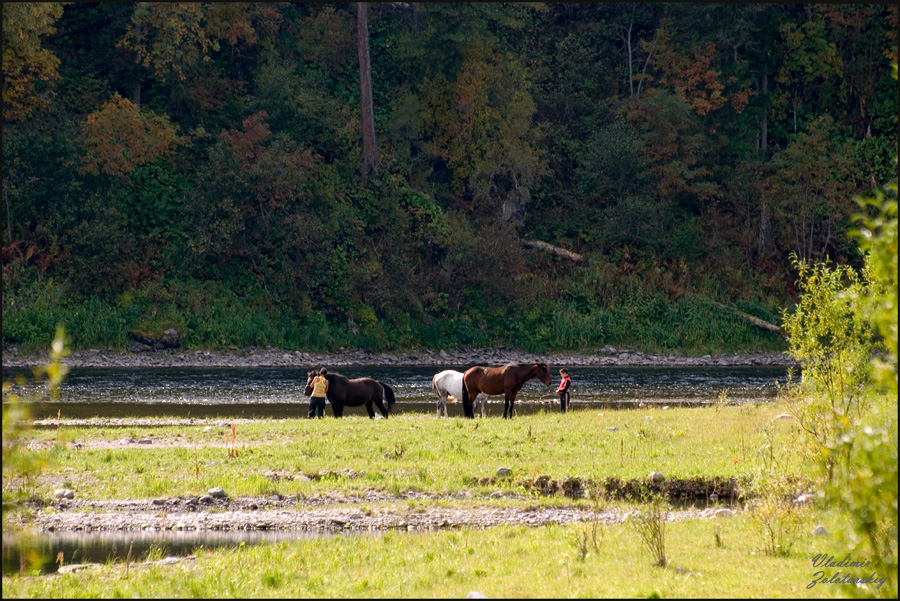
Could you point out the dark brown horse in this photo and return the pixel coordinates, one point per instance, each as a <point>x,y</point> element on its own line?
<point>343,391</point>
<point>507,380</point>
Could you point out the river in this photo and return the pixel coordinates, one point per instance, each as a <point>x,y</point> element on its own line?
<point>277,392</point>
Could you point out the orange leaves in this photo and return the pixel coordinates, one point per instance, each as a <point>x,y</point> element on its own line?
<point>692,76</point>
<point>234,21</point>
<point>118,137</point>
<point>741,98</point>
<point>273,170</point>
<point>247,144</point>
<point>27,67</point>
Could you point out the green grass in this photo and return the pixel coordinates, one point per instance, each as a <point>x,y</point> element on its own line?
<point>509,561</point>
<point>726,556</point>
<point>415,452</point>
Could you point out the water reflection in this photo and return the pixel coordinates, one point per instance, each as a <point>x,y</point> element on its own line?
<point>106,547</point>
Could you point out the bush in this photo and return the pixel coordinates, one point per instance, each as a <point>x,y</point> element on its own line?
<point>847,400</point>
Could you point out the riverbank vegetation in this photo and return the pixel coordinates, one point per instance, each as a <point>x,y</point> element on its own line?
<point>202,167</point>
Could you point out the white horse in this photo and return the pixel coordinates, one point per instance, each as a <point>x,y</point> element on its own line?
<point>448,384</point>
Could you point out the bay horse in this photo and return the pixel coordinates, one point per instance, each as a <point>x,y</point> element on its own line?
<point>448,384</point>
<point>344,392</point>
<point>507,380</point>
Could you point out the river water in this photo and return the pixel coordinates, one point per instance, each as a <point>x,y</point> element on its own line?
<point>277,392</point>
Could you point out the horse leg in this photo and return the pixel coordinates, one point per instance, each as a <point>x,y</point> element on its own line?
<point>370,410</point>
<point>507,407</point>
<point>484,407</point>
<point>468,403</point>
<point>442,403</point>
<point>381,407</point>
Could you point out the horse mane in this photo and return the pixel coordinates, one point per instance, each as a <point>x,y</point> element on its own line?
<point>529,364</point>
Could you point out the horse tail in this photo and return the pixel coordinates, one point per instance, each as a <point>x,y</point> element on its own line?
<point>434,385</point>
<point>465,398</point>
<point>388,396</point>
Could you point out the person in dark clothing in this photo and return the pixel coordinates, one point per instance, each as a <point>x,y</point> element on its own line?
<point>563,390</point>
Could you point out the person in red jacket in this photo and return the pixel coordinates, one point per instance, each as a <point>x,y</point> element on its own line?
<point>563,390</point>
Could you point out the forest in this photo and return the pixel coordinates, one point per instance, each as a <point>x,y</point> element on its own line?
<point>397,175</point>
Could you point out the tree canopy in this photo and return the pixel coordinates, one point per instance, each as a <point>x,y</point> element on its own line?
<point>682,150</point>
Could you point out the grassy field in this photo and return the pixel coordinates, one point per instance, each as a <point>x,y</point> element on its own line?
<point>722,557</point>
<point>516,562</point>
<point>412,452</point>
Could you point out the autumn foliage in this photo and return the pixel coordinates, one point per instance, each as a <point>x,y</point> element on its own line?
<point>27,65</point>
<point>118,137</point>
<point>684,150</point>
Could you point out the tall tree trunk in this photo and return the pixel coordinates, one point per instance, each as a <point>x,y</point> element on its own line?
<point>370,151</point>
<point>764,127</point>
<point>625,35</point>
<point>764,230</point>
<point>136,97</point>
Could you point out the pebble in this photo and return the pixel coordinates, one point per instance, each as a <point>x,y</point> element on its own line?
<point>820,531</point>
<point>656,477</point>
<point>724,513</point>
<point>217,493</point>
<point>252,357</point>
<point>64,493</point>
<point>504,471</point>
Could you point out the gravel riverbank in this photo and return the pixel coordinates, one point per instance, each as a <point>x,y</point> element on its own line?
<point>269,357</point>
<point>370,511</point>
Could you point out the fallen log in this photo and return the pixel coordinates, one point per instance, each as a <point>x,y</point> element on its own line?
<point>762,323</point>
<point>556,250</point>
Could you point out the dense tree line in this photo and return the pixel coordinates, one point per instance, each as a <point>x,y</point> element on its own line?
<point>165,160</point>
